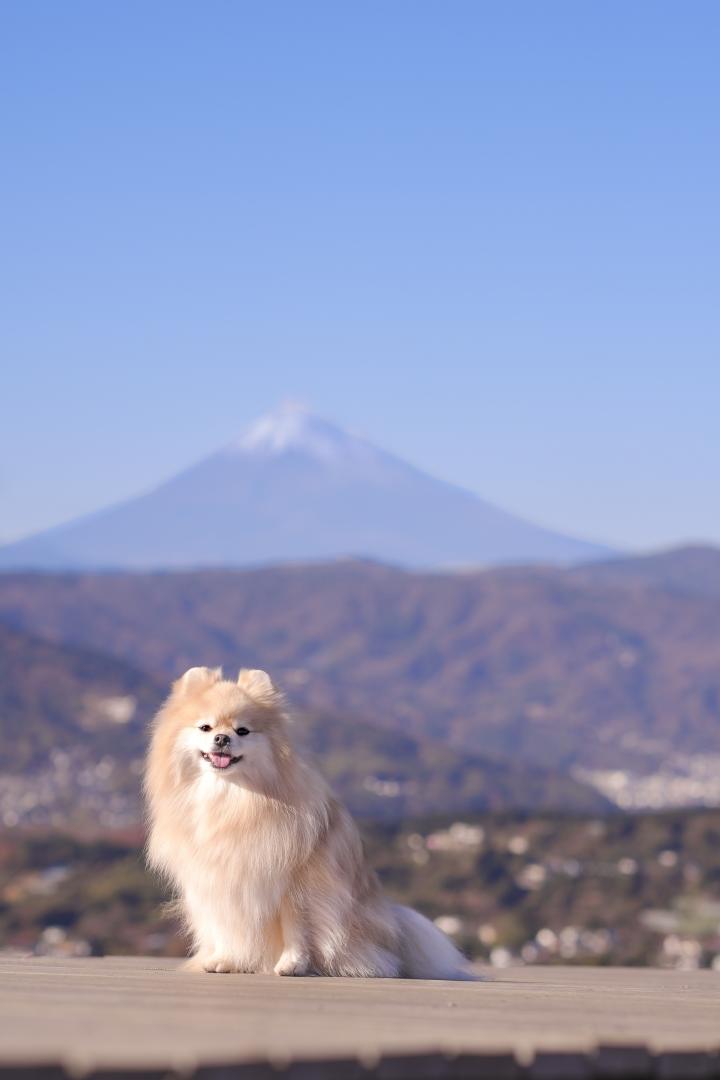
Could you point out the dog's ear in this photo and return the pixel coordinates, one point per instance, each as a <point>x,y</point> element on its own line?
<point>195,678</point>
<point>258,685</point>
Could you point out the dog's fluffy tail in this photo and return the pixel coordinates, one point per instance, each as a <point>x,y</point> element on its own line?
<point>426,952</point>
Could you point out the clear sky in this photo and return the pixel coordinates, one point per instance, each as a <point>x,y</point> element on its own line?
<point>485,235</point>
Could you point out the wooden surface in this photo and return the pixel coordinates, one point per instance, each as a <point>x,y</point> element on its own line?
<point>132,1013</point>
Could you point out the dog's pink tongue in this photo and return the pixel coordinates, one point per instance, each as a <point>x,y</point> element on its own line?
<point>220,761</point>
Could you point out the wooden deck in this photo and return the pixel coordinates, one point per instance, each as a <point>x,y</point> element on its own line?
<point>129,1014</point>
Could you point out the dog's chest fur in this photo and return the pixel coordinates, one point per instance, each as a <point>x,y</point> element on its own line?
<point>243,849</point>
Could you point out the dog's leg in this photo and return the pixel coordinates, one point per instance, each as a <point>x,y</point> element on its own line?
<point>221,944</point>
<point>295,957</point>
<point>202,928</point>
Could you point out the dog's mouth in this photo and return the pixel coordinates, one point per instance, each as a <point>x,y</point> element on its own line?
<point>220,761</point>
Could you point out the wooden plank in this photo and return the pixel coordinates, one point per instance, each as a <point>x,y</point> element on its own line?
<point>120,1013</point>
<point>687,1064</point>
<point>623,1063</point>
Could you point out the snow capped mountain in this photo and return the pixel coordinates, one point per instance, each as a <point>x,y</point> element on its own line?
<point>294,487</point>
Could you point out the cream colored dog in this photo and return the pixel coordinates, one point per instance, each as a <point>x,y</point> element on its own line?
<point>268,866</point>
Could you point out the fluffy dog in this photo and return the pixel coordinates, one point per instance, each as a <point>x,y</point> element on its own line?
<point>268,866</point>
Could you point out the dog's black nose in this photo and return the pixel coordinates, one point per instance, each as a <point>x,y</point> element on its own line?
<point>221,740</point>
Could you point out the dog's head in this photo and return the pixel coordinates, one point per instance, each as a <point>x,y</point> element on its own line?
<point>234,730</point>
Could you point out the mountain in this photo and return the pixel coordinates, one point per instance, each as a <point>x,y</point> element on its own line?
<point>618,685</point>
<point>74,726</point>
<point>295,487</point>
<point>73,731</point>
<point>689,569</point>
<point>390,775</point>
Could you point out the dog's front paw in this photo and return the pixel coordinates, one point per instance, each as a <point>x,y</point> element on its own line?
<point>223,966</point>
<point>195,963</point>
<point>292,963</point>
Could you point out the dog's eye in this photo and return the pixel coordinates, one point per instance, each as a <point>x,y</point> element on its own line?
<point>242,731</point>
<point>204,727</point>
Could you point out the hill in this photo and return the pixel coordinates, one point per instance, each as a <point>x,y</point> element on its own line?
<point>619,684</point>
<point>295,487</point>
<point>74,724</point>
<point>691,569</point>
<point>640,889</point>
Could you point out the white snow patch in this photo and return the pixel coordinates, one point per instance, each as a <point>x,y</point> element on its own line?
<point>292,428</point>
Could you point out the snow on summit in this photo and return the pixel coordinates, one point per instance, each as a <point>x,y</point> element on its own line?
<point>293,428</point>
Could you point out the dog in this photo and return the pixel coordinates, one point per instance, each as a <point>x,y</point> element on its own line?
<point>267,864</point>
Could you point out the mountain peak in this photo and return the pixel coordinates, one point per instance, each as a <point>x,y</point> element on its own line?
<point>293,428</point>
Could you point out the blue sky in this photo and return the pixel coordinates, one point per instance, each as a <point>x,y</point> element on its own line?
<point>484,235</point>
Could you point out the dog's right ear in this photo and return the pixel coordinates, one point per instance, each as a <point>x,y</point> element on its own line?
<point>258,685</point>
<point>195,678</point>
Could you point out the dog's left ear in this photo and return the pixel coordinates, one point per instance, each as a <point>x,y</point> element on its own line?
<point>196,677</point>
<point>258,685</point>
